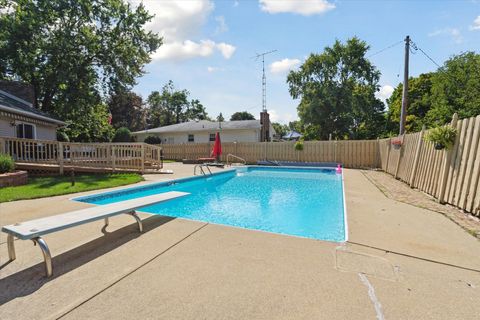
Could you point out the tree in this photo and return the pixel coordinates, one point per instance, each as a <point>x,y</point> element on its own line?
<point>196,111</point>
<point>337,93</point>
<point>455,89</point>
<point>220,118</point>
<point>419,103</point>
<point>280,129</point>
<point>243,115</point>
<point>434,97</point>
<point>73,52</point>
<point>127,110</point>
<point>171,106</point>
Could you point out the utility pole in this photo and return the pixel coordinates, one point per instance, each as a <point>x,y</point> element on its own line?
<point>264,79</point>
<point>403,114</point>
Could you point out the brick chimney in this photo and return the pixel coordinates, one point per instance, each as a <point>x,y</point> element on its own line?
<point>265,126</point>
<point>19,89</point>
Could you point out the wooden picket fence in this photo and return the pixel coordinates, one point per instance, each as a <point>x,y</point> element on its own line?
<point>451,176</point>
<point>351,153</point>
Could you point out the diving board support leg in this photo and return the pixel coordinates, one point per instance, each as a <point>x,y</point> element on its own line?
<point>139,221</point>
<point>46,255</point>
<point>106,222</point>
<point>11,248</point>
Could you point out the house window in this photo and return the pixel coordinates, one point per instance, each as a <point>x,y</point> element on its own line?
<point>212,137</point>
<point>26,131</point>
<point>191,138</point>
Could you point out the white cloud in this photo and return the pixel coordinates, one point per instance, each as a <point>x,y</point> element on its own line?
<point>185,50</point>
<point>178,22</point>
<point>284,65</point>
<point>282,118</point>
<point>454,33</point>
<point>226,49</point>
<point>384,93</point>
<point>303,7</point>
<point>476,24</point>
<point>222,25</point>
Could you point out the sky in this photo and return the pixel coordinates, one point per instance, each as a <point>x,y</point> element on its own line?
<point>209,45</point>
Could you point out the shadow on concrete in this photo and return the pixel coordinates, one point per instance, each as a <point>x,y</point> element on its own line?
<point>27,281</point>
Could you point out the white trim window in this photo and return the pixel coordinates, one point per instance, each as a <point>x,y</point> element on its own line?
<point>191,138</point>
<point>211,137</point>
<point>25,130</point>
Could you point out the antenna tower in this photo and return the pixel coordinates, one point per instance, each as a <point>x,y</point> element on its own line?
<point>264,78</point>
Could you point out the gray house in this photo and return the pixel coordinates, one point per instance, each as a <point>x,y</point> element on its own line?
<point>204,131</point>
<point>18,117</point>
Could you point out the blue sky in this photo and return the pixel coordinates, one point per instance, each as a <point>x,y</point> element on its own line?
<point>209,44</point>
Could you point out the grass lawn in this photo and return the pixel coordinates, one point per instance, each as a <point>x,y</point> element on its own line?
<point>39,187</point>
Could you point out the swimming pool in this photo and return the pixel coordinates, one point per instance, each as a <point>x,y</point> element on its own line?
<point>304,202</point>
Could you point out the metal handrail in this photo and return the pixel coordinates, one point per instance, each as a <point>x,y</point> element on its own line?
<point>236,157</point>
<point>201,166</point>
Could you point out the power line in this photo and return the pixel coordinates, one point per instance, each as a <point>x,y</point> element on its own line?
<point>384,49</point>
<point>415,47</point>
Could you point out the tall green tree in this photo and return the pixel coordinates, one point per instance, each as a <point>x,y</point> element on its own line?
<point>337,89</point>
<point>171,106</point>
<point>73,52</point>
<point>196,111</point>
<point>456,89</point>
<point>419,103</point>
<point>242,115</point>
<point>434,97</point>
<point>127,110</point>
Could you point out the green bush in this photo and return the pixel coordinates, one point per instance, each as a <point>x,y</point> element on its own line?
<point>62,136</point>
<point>122,135</point>
<point>153,140</point>
<point>6,163</point>
<point>299,145</point>
<point>442,137</point>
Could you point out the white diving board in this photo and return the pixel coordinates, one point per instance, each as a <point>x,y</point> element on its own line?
<point>34,229</point>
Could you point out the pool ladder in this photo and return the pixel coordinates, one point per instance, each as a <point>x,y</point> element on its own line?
<point>202,171</point>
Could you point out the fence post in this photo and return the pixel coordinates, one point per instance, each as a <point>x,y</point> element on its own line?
<point>446,165</point>
<point>416,158</point>
<point>143,159</point>
<point>113,150</point>
<point>388,154</point>
<point>377,154</point>
<point>60,157</point>
<point>400,153</point>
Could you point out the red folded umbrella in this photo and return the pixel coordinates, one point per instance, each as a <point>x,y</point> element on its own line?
<point>217,147</point>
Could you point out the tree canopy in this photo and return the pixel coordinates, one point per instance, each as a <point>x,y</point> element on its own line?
<point>73,53</point>
<point>242,115</point>
<point>337,89</point>
<point>127,110</point>
<point>171,106</point>
<point>434,97</point>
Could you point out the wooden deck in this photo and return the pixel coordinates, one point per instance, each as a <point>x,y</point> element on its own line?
<point>62,157</point>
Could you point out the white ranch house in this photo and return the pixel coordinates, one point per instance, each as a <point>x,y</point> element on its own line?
<point>204,131</point>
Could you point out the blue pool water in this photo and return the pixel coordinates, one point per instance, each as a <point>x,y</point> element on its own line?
<point>303,202</point>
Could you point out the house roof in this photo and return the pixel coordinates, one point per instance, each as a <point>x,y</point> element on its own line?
<point>13,104</point>
<point>205,125</point>
<point>292,135</point>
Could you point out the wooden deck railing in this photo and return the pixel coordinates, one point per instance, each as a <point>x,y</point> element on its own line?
<point>111,156</point>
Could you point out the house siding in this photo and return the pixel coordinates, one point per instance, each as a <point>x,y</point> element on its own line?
<point>204,136</point>
<point>6,130</point>
<point>42,132</point>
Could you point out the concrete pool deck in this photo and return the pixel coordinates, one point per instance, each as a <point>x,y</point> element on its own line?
<point>401,262</point>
